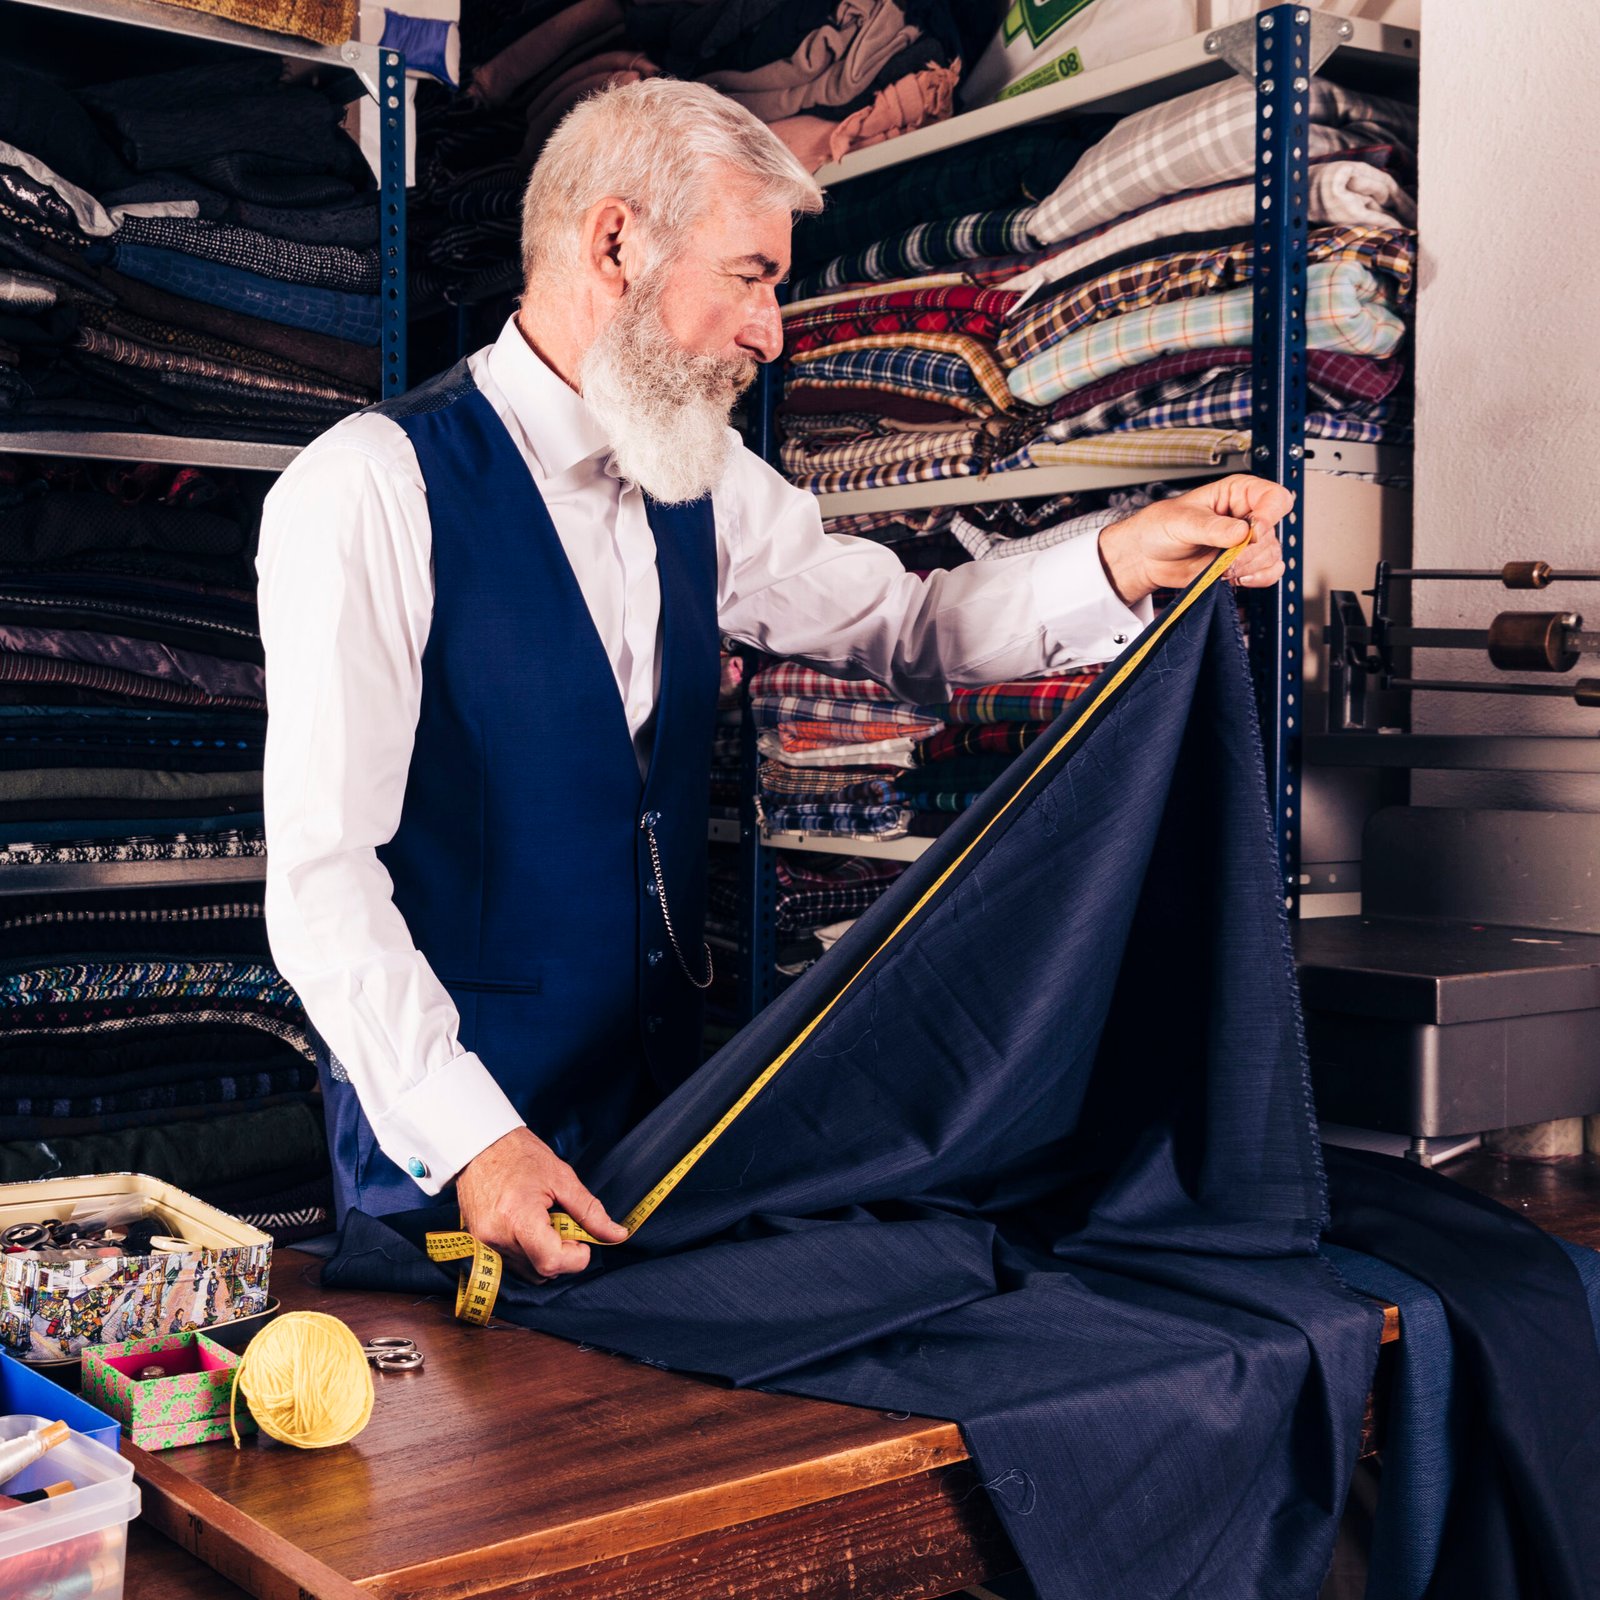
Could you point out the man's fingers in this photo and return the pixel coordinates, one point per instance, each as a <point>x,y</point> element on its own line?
<point>547,1253</point>
<point>1220,533</point>
<point>587,1212</point>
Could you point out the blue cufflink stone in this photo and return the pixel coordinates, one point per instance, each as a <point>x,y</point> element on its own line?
<point>417,1167</point>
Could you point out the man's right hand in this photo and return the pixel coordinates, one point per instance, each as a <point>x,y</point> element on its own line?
<point>507,1193</point>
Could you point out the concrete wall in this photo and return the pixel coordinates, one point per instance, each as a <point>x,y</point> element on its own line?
<point>1508,352</point>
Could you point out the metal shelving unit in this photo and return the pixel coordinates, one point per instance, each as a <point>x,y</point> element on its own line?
<point>1279,50</point>
<point>382,74</point>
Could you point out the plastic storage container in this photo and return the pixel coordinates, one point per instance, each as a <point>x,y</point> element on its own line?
<point>75,1544</point>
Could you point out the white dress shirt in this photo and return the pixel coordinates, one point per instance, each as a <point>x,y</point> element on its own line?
<point>346,597</point>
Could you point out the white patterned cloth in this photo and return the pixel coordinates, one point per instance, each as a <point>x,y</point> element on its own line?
<point>1353,193</point>
<point>1203,138</point>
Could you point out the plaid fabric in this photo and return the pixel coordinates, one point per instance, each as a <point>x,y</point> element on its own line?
<point>890,527</point>
<point>982,545</point>
<point>1032,700</point>
<point>1354,193</point>
<point>1331,373</point>
<point>1146,447</point>
<point>963,309</point>
<point>1214,397</point>
<point>814,734</point>
<point>779,779</point>
<point>921,249</point>
<point>1347,308</point>
<point>157,358</point>
<point>975,354</point>
<point>995,738</point>
<point>1198,138</point>
<point>870,462</point>
<point>791,678</point>
<point>895,752</point>
<point>811,897</point>
<point>787,710</point>
<point>1183,277</point>
<point>851,821</point>
<point>329,266</point>
<point>852,293</point>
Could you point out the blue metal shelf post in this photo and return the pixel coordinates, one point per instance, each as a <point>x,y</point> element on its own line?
<point>1283,68</point>
<point>392,211</point>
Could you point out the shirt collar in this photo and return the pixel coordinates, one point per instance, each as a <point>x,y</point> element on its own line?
<point>557,428</point>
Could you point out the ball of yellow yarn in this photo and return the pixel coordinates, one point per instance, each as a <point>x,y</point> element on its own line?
<point>306,1380</point>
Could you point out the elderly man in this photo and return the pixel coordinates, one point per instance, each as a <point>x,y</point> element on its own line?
<point>491,611</point>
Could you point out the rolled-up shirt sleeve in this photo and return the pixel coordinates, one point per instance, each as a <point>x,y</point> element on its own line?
<point>848,605</point>
<point>346,600</point>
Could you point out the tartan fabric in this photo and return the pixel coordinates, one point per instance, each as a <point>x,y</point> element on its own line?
<point>982,545</point>
<point>923,248</point>
<point>879,403</point>
<point>788,710</point>
<point>1354,193</point>
<point>778,778</point>
<point>1217,397</point>
<point>994,738</point>
<point>967,377</point>
<point>1032,700</point>
<point>809,897</point>
<point>1198,138</point>
<point>962,309</point>
<point>1347,308</point>
<point>851,821</point>
<point>154,358</point>
<point>890,527</point>
<point>895,752</point>
<point>792,678</point>
<point>1332,373</point>
<point>816,734</point>
<point>850,293</point>
<point>1043,323</point>
<point>1146,447</point>
<point>892,458</point>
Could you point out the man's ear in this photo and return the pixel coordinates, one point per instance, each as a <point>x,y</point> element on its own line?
<point>609,238</point>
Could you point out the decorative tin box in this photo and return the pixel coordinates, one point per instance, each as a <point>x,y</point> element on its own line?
<point>52,1310</point>
<point>189,1405</point>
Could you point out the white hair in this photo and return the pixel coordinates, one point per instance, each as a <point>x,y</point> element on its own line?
<point>655,144</point>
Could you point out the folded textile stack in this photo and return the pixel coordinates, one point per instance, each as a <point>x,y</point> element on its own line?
<point>1110,322</point>
<point>132,703</point>
<point>191,252</point>
<point>150,1032</point>
<point>829,76</point>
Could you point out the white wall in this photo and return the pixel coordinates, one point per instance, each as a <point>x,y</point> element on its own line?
<point>1508,352</point>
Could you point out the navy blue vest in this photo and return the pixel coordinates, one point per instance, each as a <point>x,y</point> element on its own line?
<point>521,864</point>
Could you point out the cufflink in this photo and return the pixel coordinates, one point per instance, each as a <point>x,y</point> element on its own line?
<point>1119,638</point>
<point>417,1167</point>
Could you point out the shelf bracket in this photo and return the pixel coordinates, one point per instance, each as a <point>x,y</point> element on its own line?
<point>391,92</point>
<point>1236,44</point>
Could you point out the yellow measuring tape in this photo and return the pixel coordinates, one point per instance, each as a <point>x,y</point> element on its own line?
<point>480,1277</point>
<point>463,1244</point>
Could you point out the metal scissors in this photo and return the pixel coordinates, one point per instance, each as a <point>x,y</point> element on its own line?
<point>389,1352</point>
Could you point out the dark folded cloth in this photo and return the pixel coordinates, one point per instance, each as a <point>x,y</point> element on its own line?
<point>353,223</point>
<point>53,526</point>
<point>40,117</point>
<point>291,1204</point>
<point>322,266</point>
<point>266,181</point>
<point>160,1051</point>
<point>339,358</point>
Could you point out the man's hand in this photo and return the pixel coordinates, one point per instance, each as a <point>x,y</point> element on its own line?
<point>1169,543</point>
<point>507,1193</point>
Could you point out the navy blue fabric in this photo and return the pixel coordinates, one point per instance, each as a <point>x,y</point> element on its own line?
<point>1040,1158</point>
<point>520,864</point>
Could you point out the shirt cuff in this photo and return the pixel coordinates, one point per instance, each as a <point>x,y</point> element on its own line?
<point>1082,615</point>
<point>437,1126</point>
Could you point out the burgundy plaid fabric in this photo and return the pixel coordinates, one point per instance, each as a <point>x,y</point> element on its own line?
<point>791,678</point>
<point>994,738</point>
<point>960,308</point>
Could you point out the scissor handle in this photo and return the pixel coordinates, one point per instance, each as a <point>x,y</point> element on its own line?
<point>390,1341</point>
<point>397,1360</point>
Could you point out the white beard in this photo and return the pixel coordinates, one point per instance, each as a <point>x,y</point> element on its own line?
<point>664,409</point>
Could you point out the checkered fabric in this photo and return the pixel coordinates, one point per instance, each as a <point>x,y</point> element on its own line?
<point>791,678</point>
<point>982,545</point>
<point>1044,322</point>
<point>961,309</point>
<point>911,456</point>
<point>818,733</point>
<point>895,752</point>
<point>812,897</point>
<point>1200,138</point>
<point>1031,700</point>
<point>778,778</point>
<point>1341,193</point>
<point>1147,447</point>
<point>927,246</point>
<point>852,821</point>
<point>1348,308</point>
<point>787,712</point>
<point>890,527</point>
<point>995,738</point>
<point>937,366</point>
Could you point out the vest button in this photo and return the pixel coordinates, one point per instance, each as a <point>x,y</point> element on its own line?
<point>651,819</point>
<point>654,957</point>
<point>652,1024</point>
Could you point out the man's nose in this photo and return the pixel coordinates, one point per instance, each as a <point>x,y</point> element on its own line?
<point>762,335</point>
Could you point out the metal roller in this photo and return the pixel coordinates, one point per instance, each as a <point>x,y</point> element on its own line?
<point>1534,641</point>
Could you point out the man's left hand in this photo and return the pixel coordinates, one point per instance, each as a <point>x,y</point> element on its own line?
<point>1168,544</point>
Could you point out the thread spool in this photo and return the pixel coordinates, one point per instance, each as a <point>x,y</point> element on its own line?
<point>306,1380</point>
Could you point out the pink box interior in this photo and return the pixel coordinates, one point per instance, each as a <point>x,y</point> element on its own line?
<point>187,1358</point>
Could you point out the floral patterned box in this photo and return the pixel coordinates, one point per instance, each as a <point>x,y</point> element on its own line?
<point>52,1311</point>
<point>189,1405</point>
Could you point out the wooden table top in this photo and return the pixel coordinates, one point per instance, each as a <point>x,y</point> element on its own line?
<point>513,1457</point>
